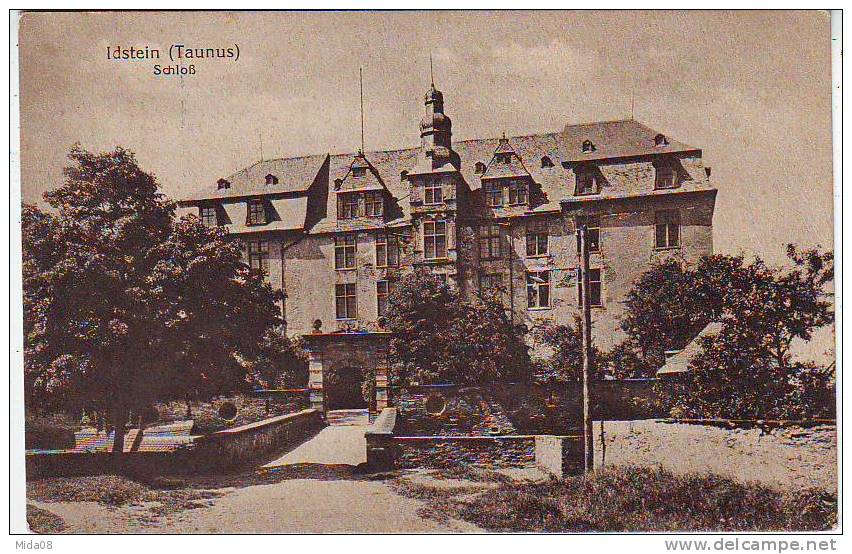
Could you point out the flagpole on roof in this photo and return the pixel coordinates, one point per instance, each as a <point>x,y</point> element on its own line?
<point>361,79</point>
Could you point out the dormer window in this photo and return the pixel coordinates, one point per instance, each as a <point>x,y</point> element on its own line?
<point>588,146</point>
<point>661,140</point>
<point>359,171</point>
<point>271,179</point>
<point>503,158</point>
<point>403,175</point>
<point>208,216</point>
<point>433,193</point>
<point>222,184</point>
<point>517,192</point>
<point>666,177</point>
<point>587,181</point>
<point>374,203</point>
<point>546,162</point>
<point>256,213</point>
<point>479,168</point>
<point>347,205</point>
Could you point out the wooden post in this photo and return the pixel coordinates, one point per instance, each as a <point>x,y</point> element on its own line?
<point>588,437</point>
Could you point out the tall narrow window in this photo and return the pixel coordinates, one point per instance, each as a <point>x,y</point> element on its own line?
<point>666,177</point>
<point>489,241</point>
<point>517,192</point>
<point>537,239</point>
<point>538,289</point>
<point>347,205</point>
<point>595,288</point>
<point>346,301</point>
<point>434,193</point>
<point>593,232</point>
<point>373,204</point>
<point>667,229</point>
<point>490,282</point>
<point>493,194</point>
<point>434,239</point>
<point>387,250</point>
<point>382,293</point>
<point>256,213</point>
<point>208,216</point>
<point>344,251</point>
<point>258,254</point>
<point>587,182</point>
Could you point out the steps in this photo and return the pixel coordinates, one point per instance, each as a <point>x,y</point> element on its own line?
<point>348,417</point>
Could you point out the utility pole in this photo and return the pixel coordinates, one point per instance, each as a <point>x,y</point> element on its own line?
<point>588,437</point>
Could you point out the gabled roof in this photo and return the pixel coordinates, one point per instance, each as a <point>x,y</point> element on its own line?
<point>295,175</point>
<point>679,363</point>
<point>498,169</point>
<point>614,139</point>
<point>370,180</point>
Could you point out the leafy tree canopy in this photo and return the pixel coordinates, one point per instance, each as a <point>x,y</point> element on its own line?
<point>437,337</point>
<point>123,304</point>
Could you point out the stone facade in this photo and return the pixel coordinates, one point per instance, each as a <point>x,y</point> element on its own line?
<point>335,231</point>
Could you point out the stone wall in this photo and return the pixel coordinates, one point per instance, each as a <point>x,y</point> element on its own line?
<point>225,449</point>
<point>516,409</point>
<point>456,451</point>
<point>251,407</point>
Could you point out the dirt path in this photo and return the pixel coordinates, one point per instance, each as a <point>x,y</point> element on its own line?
<point>311,489</point>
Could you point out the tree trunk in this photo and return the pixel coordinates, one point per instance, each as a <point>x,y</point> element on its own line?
<point>119,422</point>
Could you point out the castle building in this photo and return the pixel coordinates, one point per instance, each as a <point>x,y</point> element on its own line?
<point>334,231</point>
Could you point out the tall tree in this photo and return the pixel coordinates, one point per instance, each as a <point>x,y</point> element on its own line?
<point>123,305</point>
<point>438,337</point>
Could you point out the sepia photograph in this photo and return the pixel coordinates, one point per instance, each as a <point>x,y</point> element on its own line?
<point>426,272</point>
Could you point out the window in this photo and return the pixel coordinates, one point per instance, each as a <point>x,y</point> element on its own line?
<point>359,171</point>
<point>666,177</point>
<point>588,146</point>
<point>434,192</point>
<point>537,240</point>
<point>373,204</point>
<point>208,216</point>
<point>347,205</point>
<point>503,158</point>
<point>222,184</point>
<point>434,239</point>
<point>490,282</point>
<point>493,194</point>
<point>587,182</point>
<point>595,288</point>
<point>538,289</point>
<point>546,162</point>
<point>387,250</point>
<point>258,254</point>
<point>256,213</point>
<point>271,179</point>
<point>489,241</point>
<point>346,303</point>
<point>661,140</point>
<point>667,229</point>
<point>479,168</point>
<point>382,293</point>
<point>517,193</point>
<point>344,252</point>
<point>593,232</point>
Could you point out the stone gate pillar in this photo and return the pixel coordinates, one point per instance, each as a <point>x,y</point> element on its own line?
<point>382,372</point>
<point>317,396</point>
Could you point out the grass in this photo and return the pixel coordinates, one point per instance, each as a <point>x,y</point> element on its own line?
<point>629,499</point>
<point>44,522</point>
<point>161,499</point>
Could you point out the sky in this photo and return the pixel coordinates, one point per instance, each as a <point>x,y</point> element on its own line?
<point>751,89</point>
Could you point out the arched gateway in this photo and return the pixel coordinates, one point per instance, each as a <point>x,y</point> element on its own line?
<point>342,361</point>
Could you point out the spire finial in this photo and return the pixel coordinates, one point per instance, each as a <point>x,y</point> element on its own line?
<point>431,70</point>
<point>361,79</point>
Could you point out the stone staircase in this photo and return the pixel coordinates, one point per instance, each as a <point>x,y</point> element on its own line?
<point>348,417</point>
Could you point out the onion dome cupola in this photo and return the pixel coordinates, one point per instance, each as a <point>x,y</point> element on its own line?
<point>436,132</point>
